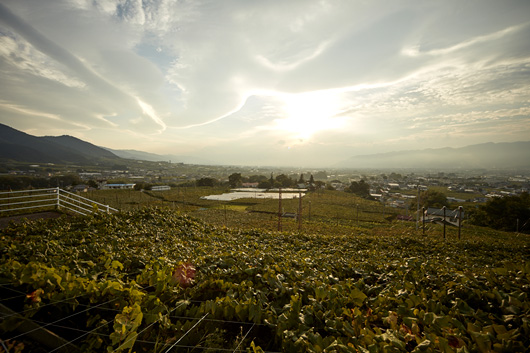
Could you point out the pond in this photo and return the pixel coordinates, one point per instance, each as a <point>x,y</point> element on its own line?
<point>254,194</point>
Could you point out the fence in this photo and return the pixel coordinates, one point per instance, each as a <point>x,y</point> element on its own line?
<point>56,198</point>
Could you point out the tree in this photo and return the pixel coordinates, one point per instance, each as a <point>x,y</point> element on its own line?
<point>284,181</point>
<point>257,178</point>
<point>234,180</point>
<point>142,186</point>
<point>360,188</point>
<point>206,182</point>
<point>301,180</point>
<point>319,184</point>
<point>430,198</point>
<point>503,213</point>
<point>265,184</point>
<point>311,180</point>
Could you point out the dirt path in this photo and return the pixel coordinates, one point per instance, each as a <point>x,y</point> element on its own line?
<point>4,221</point>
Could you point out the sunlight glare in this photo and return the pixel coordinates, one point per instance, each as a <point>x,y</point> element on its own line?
<point>309,113</point>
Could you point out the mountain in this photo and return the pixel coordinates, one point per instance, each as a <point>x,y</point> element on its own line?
<point>22,147</point>
<point>504,155</point>
<point>153,157</point>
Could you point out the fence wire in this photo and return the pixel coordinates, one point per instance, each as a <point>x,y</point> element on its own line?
<point>84,333</point>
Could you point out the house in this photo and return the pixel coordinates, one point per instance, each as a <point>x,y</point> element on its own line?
<point>118,186</point>
<point>80,188</point>
<point>160,188</point>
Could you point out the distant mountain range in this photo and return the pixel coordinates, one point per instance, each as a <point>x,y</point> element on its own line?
<point>153,157</point>
<point>505,155</point>
<point>18,146</point>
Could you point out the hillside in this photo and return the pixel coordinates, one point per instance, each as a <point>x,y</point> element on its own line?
<point>513,155</point>
<point>154,280</point>
<point>18,146</point>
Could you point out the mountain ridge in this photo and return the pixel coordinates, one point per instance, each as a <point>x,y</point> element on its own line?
<point>20,146</point>
<point>153,157</point>
<point>491,155</point>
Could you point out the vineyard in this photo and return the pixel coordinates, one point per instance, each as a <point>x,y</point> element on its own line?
<point>156,280</point>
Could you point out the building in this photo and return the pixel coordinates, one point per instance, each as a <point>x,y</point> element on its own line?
<point>118,186</point>
<point>160,188</point>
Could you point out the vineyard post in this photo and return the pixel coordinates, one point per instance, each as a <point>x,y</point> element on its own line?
<point>58,198</point>
<point>443,208</point>
<point>299,211</point>
<point>418,208</point>
<point>459,220</point>
<point>383,202</point>
<point>279,209</point>
<point>423,219</point>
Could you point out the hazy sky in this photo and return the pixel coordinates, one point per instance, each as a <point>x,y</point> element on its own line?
<point>267,82</point>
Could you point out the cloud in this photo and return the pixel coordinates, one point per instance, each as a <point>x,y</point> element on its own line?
<point>233,78</point>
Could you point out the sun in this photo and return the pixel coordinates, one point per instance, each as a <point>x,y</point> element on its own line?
<point>309,113</point>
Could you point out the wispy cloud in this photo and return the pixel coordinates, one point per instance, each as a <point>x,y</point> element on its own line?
<point>323,78</point>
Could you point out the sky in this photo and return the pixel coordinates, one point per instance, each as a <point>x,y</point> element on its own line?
<point>277,83</point>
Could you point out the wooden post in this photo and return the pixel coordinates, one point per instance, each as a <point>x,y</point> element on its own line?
<point>299,211</point>
<point>423,219</point>
<point>279,209</point>
<point>418,208</point>
<point>459,220</point>
<point>443,208</point>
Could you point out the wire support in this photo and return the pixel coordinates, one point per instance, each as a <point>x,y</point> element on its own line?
<point>64,318</point>
<point>148,326</point>
<point>180,339</point>
<point>246,334</point>
<point>83,335</point>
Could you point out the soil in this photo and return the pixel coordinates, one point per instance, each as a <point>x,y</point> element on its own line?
<point>4,221</point>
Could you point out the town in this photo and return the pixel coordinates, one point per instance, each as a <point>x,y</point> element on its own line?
<point>395,188</point>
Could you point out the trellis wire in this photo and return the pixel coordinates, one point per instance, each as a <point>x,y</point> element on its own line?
<point>180,339</point>
<point>64,318</point>
<point>246,334</point>
<point>86,332</point>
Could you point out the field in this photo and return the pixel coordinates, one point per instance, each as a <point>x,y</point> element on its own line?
<point>352,279</point>
<point>319,209</point>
